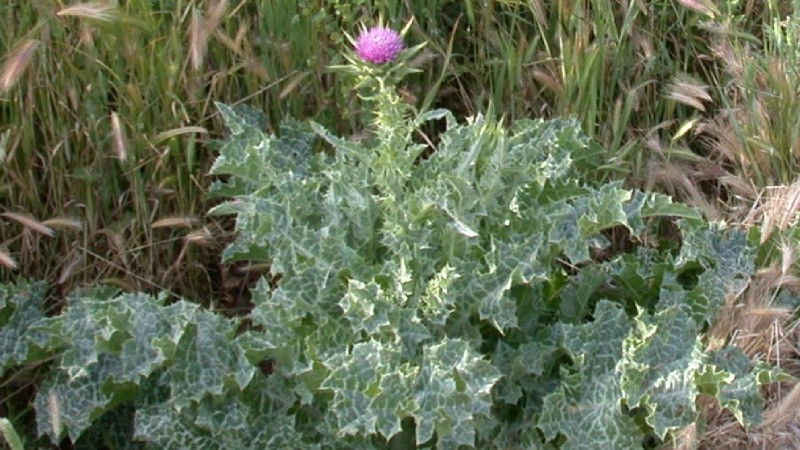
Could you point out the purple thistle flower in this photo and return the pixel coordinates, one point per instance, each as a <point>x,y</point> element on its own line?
<point>378,45</point>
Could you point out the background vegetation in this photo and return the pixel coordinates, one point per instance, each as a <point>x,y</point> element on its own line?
<point>107,127</point>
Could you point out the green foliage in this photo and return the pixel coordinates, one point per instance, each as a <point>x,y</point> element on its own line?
<point>488,243</point>
<point>21,307</point>
<point>449,298</point>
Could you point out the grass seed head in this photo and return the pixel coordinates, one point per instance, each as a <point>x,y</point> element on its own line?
<point>6,260</point>
<point>198,40</point>
<point>29,223</point>
<point>102,11</point>
<point>16,63</point>
<point>688,91</point>
<point>119,138</point>
<point>701,6</point>
<point>175,222</point>
<point>64,223</point>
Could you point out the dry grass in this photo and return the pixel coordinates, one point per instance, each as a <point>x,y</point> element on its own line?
<point>123,95</point>
<point>705,7</point>
<point>202,28</point>
<point>775,209</point>
<point>102,11</point>
<point>175,222</point>
<point>689,91</point>
<point>64,223</point>
<point>766,331</point>
<point>119,138</point>
<point>6,260</point>
<point>15,64</point>
<point>29,223</point>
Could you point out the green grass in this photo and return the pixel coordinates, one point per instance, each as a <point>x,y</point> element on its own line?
<point>111,121</point>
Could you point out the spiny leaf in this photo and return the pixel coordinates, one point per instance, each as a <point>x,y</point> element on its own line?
<point>66,404</point>
<point>21,314</point>
<point>452,389</point>
<point>371,389</point>
<point>663,357</point>
<point>586,407</point>
<point>206,361</point>
<point>727,260</point>
<point>739,394</point>
<point>155,332</point>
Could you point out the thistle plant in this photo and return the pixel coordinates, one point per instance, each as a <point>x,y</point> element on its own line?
<point>378,62</point>
<point>449,302</point>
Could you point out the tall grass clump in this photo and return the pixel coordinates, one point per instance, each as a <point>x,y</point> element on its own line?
<point>740,145</point>
<point>106,123</point>
<point>757,128</point>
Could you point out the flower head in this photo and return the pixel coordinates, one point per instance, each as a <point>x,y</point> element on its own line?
<point>378,45</point>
